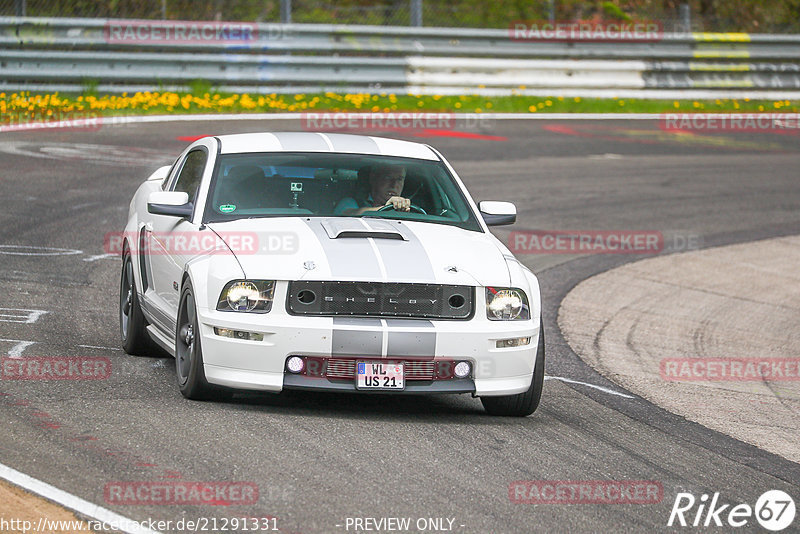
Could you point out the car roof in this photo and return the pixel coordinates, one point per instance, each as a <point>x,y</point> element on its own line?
<point>322,142</point>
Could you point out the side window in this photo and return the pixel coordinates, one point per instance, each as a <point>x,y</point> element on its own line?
<point>191,173</point>
<point>171,170</point>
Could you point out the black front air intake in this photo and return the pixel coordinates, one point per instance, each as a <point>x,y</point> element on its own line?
<point>377,299</point>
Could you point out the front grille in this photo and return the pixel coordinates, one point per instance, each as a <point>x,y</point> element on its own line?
<point>377,299</point>
<point>342,368</point>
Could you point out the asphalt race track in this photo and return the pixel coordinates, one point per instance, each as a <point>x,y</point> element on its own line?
<point>319,459</point>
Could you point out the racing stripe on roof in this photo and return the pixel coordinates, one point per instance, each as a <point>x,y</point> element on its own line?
<point>302,141</point>
<point>353,143</point>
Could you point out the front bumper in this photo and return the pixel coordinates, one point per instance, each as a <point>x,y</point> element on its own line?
<point>260,365</point>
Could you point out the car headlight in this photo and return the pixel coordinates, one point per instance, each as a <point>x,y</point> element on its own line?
<point>247,296</point>
<point>506,304</point>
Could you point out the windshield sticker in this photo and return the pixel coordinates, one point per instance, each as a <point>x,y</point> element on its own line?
<point>227,208</point>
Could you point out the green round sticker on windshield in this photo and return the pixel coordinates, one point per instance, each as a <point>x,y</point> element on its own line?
<point>227,208</point>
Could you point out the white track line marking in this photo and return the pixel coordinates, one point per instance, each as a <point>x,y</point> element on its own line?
<point>124,120</point>
<point>17,350</point>
<point>600,388</point>
<point>76,504</point>
<point>101,257</point>
<point>29,317</point>
<point>32,250</point>
<point>98,347</point>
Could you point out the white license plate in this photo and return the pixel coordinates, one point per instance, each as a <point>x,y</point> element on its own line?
<point>379,375</point>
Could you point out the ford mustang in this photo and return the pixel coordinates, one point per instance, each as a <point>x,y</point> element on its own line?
<point>334,262</point>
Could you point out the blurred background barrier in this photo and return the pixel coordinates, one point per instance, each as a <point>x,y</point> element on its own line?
<point>753,16</point>
<point>115,55</point>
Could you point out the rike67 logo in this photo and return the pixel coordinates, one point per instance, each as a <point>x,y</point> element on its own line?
<point>774,511</point>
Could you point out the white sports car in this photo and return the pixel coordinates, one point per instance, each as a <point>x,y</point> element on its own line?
<point>331,262</point>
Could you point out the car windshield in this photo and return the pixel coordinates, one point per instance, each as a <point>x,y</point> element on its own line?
<point>286,184</point>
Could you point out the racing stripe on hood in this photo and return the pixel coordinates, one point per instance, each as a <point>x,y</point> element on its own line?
<point>403,259</point>
<point>347,258</point>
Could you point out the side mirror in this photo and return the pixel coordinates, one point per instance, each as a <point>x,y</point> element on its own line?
<point>170,203</point>
<point>497,213</point>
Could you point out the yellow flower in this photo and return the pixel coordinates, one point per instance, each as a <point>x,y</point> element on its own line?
<point>548,102</point>
<point>676,104</point>
<point>577,99</point>
<point>532,108</point>
<point>457,105</point>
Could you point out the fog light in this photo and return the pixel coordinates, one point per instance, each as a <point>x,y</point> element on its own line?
<point>295,364</point>
<point>238,334</point>
<point>462,369</point>
<point>513,342</point>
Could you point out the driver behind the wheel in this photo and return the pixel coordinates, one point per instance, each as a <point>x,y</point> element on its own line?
<point>386,185</point>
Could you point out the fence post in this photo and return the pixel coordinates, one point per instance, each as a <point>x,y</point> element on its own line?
<point>686,17</point>
<point>286,11</point>
<point>551,11</point>
<point>20,7</point>
<point>416,13</point>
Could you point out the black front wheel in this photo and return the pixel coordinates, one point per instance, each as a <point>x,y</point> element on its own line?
<point>132,323</point>
<point>189,353</point>
<point>525,403</point>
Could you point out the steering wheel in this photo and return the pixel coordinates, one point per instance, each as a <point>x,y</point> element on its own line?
<point>412,207</point>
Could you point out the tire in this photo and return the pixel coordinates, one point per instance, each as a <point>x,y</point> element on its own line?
<point>521,404</point>
<point>189,353</point>
<point>132,324</point>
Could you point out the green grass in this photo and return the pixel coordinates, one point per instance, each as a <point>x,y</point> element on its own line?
<point>200,100</point>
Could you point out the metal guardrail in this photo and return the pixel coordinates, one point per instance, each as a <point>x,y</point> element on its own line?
<point>67,54</point>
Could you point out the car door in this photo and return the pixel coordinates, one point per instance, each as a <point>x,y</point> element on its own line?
<point>170,241</point>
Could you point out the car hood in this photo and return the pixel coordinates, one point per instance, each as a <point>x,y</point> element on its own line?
<point>363,249</point>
